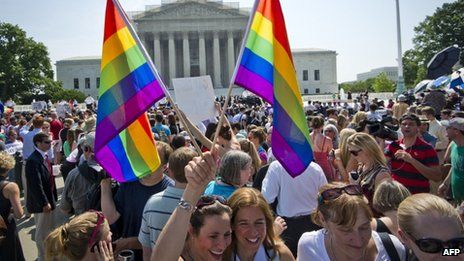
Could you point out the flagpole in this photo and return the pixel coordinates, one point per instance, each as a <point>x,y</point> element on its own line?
<point>157,76</point>
<point>232,80</point>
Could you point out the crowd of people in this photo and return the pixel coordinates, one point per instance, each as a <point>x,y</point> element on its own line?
<point>386,183</point>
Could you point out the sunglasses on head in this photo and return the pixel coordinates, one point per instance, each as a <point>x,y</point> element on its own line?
<point>334,193</point>
<point>355,152</point>
<point>93,238</point>
<point>210,200</point>
<point>433,245</point>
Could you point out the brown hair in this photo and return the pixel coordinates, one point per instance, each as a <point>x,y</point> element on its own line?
<point>248,147</point>
<point>250,197</point>
<point>342,211</point>
<point>71,239</point>
<point>38,121</point>
<point>259,134</point>
<point>178,160</point>
<point>388,196</point>
<point>317,122</point>
<point>164,151</point>
<point>427,110</point>
<point>198,217</point>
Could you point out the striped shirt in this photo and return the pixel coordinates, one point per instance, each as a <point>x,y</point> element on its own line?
<point>406,173</point>
<point>156,214</point>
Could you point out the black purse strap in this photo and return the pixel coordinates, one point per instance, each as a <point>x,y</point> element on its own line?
<point>389,246</point>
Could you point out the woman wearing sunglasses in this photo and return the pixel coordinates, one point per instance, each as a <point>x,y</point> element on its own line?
<point>254,236</point>
<point>204,221</point>
<point>345,216</point>
<point>85,237</point>
<point>428,225</point>
<point>372,169</point>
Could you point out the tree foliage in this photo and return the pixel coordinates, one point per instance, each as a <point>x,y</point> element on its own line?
<point>442,29</point>
<point>25,68</point>
<point>358,86</point>
<point>383,84</point>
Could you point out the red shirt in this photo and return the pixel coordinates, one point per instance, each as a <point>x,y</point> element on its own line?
<point>406,173</point>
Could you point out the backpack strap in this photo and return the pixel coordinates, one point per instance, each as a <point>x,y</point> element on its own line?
<point>389,246</point>
<point>3,183</point>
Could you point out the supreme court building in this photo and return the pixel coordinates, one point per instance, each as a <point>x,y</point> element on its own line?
<point>188,38</point>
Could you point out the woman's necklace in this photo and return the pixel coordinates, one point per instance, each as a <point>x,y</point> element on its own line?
<point>333,252</point>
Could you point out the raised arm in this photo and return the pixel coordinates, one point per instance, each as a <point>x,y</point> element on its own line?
<point>198,173</point>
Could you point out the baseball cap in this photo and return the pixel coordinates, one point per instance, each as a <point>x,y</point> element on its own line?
<point>457,123</point>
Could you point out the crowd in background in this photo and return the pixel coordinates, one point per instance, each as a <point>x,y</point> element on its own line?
<point>386,183</point>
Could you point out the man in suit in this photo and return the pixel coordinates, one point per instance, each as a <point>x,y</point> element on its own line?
<point>41,190</point>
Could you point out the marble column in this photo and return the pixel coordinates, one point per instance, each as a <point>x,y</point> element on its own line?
<point>230,53</point>
<point>172,57</point>
<point>186,49</point>
<point>202,53</point>
<point>157,52</point>
<point>216,61</point>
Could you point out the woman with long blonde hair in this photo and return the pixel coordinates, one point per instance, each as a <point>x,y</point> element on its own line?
<point>254,237</point>
<point>343,162</point>
<point>372,164</point>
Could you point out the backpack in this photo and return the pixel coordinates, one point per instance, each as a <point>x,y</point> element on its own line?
<point>3,226</point>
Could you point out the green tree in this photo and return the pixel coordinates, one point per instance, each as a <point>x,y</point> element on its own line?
<point>25,68</point>
<point>383,84</point>
<point>442,29</point>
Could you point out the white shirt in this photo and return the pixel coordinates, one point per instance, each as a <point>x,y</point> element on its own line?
<point>439,131</point>
<point>311,247</point>
<point>297,196</point>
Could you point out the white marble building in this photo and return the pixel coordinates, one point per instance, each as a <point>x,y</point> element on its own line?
<point>188,38</point>
<point>390,71</point>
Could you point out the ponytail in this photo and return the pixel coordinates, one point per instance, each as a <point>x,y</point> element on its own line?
<point>71,239</point>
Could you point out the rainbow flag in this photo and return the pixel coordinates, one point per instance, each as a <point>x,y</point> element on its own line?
<point>266,68</point>
<point>124,144</point>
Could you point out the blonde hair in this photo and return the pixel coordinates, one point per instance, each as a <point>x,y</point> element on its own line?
<point>368,144</point>
<point>343,211</point>
<point>343,146</point>
<point>71,239</point>
<point>249,147</point>
<point>250,197</point>
<point>388,196</point>
<point>425,204</point>
<point>358,117</point>
<point>7,162</point>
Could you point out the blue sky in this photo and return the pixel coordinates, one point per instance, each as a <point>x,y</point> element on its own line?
<point>362,32</point>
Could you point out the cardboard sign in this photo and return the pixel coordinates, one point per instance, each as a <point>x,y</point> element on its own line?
<point>195,97</point>
<point>62,109</point>
<point>37,106</point>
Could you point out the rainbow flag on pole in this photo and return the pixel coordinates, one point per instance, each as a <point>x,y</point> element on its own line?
<point>265,67</point>
<point>124,144</point>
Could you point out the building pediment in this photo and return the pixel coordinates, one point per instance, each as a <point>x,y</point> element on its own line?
<point>190,9</point>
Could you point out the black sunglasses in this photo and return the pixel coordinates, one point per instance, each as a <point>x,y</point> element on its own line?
<point>334,193</point>
<point>47,142</point>
<point>355,152</point>
<point>210,200</point>
<point>433,245</point>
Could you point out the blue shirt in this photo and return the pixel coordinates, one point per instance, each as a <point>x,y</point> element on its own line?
<point>214,188</point>
<point>158,128</point>
<point>429,138</point>
<point>28,144</point>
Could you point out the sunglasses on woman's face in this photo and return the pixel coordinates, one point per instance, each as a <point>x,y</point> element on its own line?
<point>355,152</point>
<point>93,238</point>
<point>433,245</point>
<point>210,200</point>
<point>334,193</point>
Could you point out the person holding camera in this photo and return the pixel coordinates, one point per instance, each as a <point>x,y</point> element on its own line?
<point>372,168</point>
<point>413,161</point>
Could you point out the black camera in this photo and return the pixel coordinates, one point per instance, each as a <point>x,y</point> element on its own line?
<point>384,129</point>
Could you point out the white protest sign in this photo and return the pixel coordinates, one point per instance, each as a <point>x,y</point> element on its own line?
<point>37,106</point>
<point>62,109</point>
<point>195,97</point>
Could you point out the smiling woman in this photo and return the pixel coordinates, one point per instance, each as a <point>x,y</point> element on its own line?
<point>347,235</point>
<point>254,236</point>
